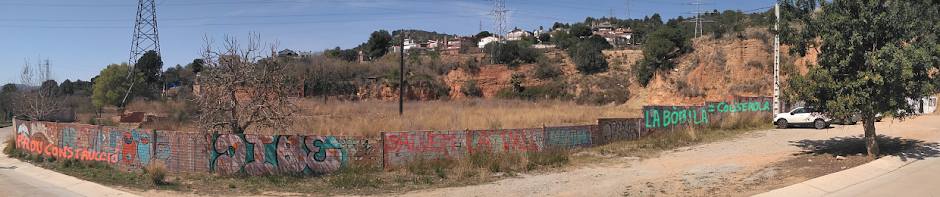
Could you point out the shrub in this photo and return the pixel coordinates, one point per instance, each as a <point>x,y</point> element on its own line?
<point>156,170</point>
<point>588,58</point>
<point>10,148</point>
<point>755,64</point>
<point>470,89</point>
<point>644,72</point>
<point>689,90</point>
<point>471,64</point>
<point>547,70</point>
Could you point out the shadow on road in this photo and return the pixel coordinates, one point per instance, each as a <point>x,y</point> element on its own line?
<point>842,146</point>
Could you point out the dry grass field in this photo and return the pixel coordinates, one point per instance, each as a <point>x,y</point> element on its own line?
<point>368,118</point>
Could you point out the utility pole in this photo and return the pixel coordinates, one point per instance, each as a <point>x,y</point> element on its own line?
<point>611,13</point>
<point>777,61</point>
<point>698,15</point>
<point>401,76</point>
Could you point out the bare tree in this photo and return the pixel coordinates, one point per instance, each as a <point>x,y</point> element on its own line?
<point>37,103</point>
<point>242,89</point>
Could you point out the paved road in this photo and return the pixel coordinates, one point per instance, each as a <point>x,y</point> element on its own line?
<point>23,179</point>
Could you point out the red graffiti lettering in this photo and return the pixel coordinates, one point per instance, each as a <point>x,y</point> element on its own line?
<point>46,149</point>
<point>487,142</point>
<point>391,140</point>
<point>450,140</point>
<point>68,152</point>
<point>430,143</point>
<point>114,157</point>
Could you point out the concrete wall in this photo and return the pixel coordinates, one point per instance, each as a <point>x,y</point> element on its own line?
<point>195,153</point>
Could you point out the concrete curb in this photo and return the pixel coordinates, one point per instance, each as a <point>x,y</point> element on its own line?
<point>825,185</point>
<point>67,184</point>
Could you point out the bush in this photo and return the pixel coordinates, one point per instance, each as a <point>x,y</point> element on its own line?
<point>644,72</point>
<point>470,89</point>
<point>689,90</point>
<point>471,64</point>
<point>546,70</point>
<point>513,51</point>
<point>756,64</point>
<point>156,170</point>
<point>11,146</point>
<point>588,58</point>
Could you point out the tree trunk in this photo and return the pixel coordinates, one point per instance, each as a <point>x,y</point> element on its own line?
<point>870,137</point>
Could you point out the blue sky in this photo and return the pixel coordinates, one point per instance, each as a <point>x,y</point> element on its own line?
<point>80,38</point>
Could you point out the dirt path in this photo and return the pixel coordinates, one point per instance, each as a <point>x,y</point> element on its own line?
<point>720,168</point>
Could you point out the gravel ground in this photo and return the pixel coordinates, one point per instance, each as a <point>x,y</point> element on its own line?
<point>736,167</point>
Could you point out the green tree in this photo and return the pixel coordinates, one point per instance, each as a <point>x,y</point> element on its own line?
<point>483,34</point>
<point>661,47</point>
<point>111,86</point>
<point>196,65</point>
<point>378,44</point>
<point>149,66</point>
<point>67,87</point>
<point>580,31</point>
<point>873,56</point>
<point>588,58</point>
<point>563,40</point>
<point>545,37</point>
<point>7,94</point>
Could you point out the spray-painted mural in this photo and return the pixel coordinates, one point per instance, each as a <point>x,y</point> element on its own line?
<point>617,129</point>
<point>506,140</point>
<point>403,146</point>
<point>277,154</point>
<point>568,137</point>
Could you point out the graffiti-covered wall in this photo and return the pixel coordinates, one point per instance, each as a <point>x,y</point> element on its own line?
<point>287,154</point>
<point>617,129</point>
<point>184,152</point>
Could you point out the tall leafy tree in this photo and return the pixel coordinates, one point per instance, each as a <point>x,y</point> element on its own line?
<point>378,44</point>
<point>873,56</point>
<point>581,31</point>
<point>111,86</point>
<point>149,66</point>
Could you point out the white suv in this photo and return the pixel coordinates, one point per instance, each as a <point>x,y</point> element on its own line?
<point>802,116</point>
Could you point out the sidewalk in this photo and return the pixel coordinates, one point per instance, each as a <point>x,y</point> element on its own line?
<point>37,179</point>
<point>910,173</point>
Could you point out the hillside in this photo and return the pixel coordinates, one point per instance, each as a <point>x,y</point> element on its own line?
<point>715,69</point>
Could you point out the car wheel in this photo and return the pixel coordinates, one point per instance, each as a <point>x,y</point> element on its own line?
<point>820,124</point>
<point>782,124</point>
